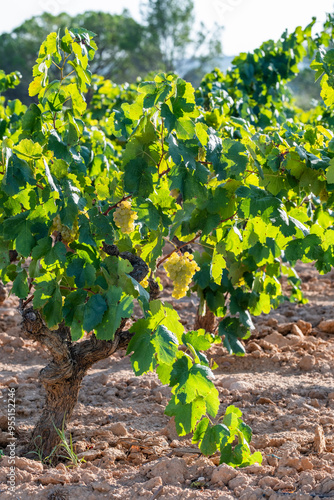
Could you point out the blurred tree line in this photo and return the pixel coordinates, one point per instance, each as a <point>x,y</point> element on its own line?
<point>166,40</point>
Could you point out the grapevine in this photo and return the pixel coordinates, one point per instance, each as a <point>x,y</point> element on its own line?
<point>234,166</point>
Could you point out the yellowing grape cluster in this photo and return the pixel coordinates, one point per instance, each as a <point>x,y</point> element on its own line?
<point>67,234</point>
<point>181,269</point>
<point>144,283</point>
<point>124,217</point>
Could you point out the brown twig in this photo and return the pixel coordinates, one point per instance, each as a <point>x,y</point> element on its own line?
<point>228,218</point>
<point>164,172</point>
<point>114,206</point>
<point>27,301</point>
<point>204,162</point>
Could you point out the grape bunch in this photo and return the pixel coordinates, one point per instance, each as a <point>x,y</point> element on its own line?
<point>124,217</point>
<point>181,268</point>
<point>68,234</point>
<point>144,283</point>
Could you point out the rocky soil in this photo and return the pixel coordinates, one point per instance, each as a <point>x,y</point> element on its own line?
<point>283,385</point>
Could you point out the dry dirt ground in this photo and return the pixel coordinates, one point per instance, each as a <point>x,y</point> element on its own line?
<point>283,385</point>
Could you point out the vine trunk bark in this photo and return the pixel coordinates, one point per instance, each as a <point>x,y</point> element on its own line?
<point>60,402</point>
<point>206,321</point>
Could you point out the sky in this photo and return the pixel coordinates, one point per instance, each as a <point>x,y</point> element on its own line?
<point>247,23</point>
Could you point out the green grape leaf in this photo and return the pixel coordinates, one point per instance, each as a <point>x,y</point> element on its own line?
<point>56,253</point>
<point>27,149</point>
<point>17,175</point>
<point>4,254</point>
<point>20,286</point>
<point>200,340</point>
<point>74,302</point>
<point>43,246</point>
<point>232,330</point>
<point>94,311</point>
<point>210,437</point>
<point>166,345</point>
<point>138,177</point>
<point>218,263</point>
<point>142,348</point>
<point>83,272</point>
<point>186,415</point>
<point>118,308</point>
<point>163,371</point>
<point>182,151</point>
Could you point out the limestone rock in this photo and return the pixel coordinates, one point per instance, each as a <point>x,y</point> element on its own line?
<point>327,486</point>
<point>118,429</point>
<point>284,328</point>
<point>295,330</point>
<point>89,455</point>
<point>327,326</point>
<point>307,362</point>
<point>53,477</point>
<point>155,482</point>
<point>269,481</point>
<point>102,486</point>
<point>319,440</point>
<point>223,474</point>
<point>240,386</point>
<point>241,480</point>
<point>305,326</point>
<point>171,471</point>
<point>278,339</point>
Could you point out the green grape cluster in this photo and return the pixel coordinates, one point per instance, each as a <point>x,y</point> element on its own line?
<point>181,268</point>
<point>67,234</point>
<point>124,217</point>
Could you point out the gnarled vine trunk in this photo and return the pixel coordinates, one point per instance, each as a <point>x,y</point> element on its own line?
<point>60,401</point>
<point>206,321</point>
<point>62,377</point>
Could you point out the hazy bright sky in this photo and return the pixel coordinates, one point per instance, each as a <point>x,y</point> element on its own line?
<point>247,23</point>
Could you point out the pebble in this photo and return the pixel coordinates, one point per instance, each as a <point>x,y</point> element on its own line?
<point>305,326</point>
<point>153,483</point>
<point>268,481</point>
<point>295,330</point>
<point>264,401</point>
<point>240,386</point>
<point>319,440</point>
<point>285,328</point>
<point>90,455</point>
<point>118,429</point>
<point>241,480</point>
<point>53,477</point>
<point>326,326</point>
<point>102,486</point>
<point>307,362</point>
